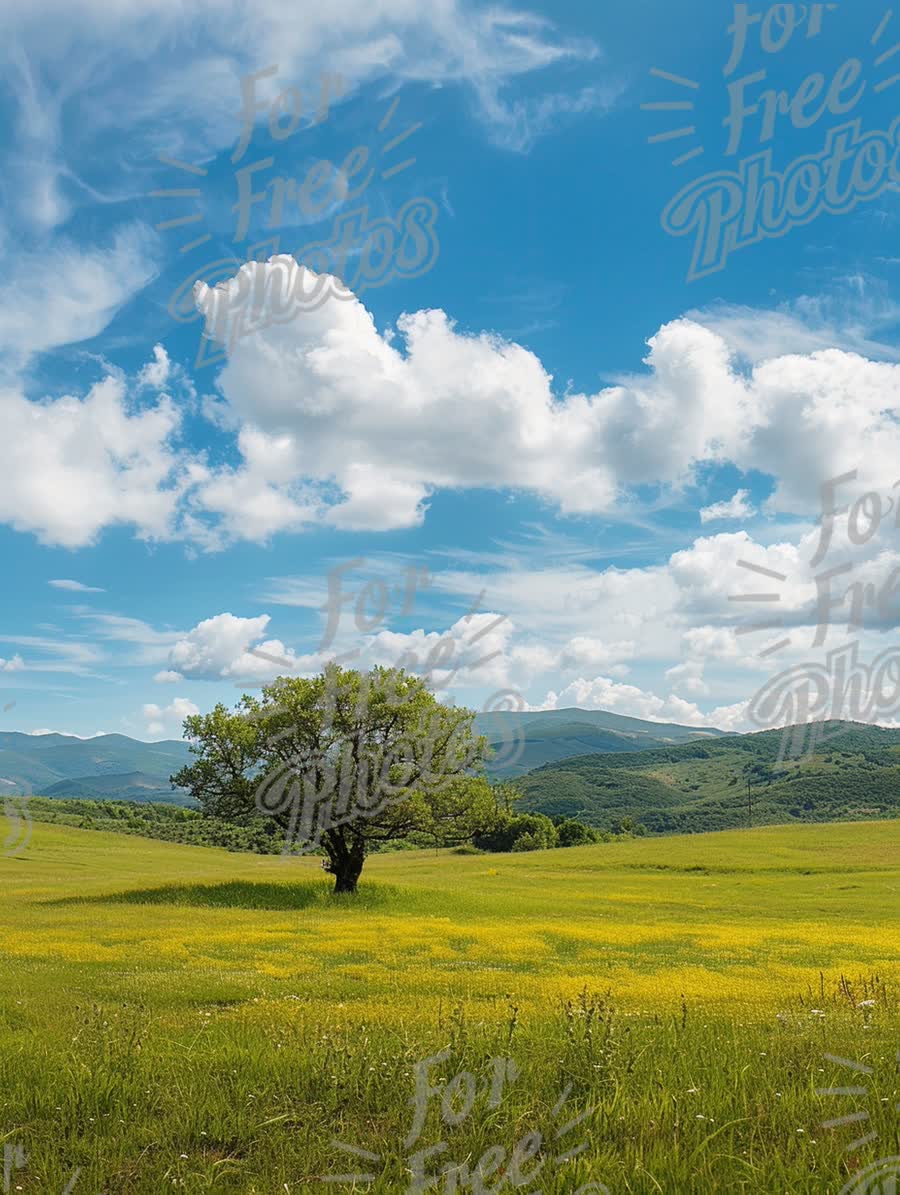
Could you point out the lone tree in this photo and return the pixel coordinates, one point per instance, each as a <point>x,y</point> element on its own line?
<point>345,761</point>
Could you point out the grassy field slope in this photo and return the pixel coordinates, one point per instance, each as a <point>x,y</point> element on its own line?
<point>179,1017</point>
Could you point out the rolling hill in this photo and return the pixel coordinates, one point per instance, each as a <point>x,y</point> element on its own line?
<point>590,764</point>
<point>726,782</point>
<point>111,765</point>
<point>524,741</point>
<point>120,786</point>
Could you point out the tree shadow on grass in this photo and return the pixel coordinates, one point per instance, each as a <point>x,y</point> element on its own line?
<point>242,894</point>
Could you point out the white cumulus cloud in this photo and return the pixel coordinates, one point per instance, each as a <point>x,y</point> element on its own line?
<point>737,507</point>
<point>72,467</point>
<point>224,647</point>
<point>345,425</point>
<point>164,720</point>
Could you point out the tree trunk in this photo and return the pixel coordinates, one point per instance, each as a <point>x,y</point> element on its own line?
<point>346,876</point>
<point>345,860</point>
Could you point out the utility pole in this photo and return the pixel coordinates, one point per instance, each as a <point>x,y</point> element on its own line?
<point>749,805</point>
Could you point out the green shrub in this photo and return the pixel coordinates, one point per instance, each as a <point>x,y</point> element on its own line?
<point>575,833</point>
<point>510,827</point>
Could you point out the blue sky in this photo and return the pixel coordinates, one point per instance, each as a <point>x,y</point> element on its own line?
<point>525,393</point>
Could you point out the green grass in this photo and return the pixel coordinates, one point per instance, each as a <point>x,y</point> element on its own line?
<point>182,1018</point>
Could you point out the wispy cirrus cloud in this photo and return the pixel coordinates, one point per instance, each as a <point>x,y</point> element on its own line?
<point>44,654</point>
<point>75,586</point>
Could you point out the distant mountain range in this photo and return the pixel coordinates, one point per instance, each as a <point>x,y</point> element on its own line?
<point>111,765</point>
<point>116,766</point>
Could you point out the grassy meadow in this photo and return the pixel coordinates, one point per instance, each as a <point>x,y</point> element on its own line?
<point>184,1018</point>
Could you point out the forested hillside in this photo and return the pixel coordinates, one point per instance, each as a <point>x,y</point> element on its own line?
<point>853,774</point>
